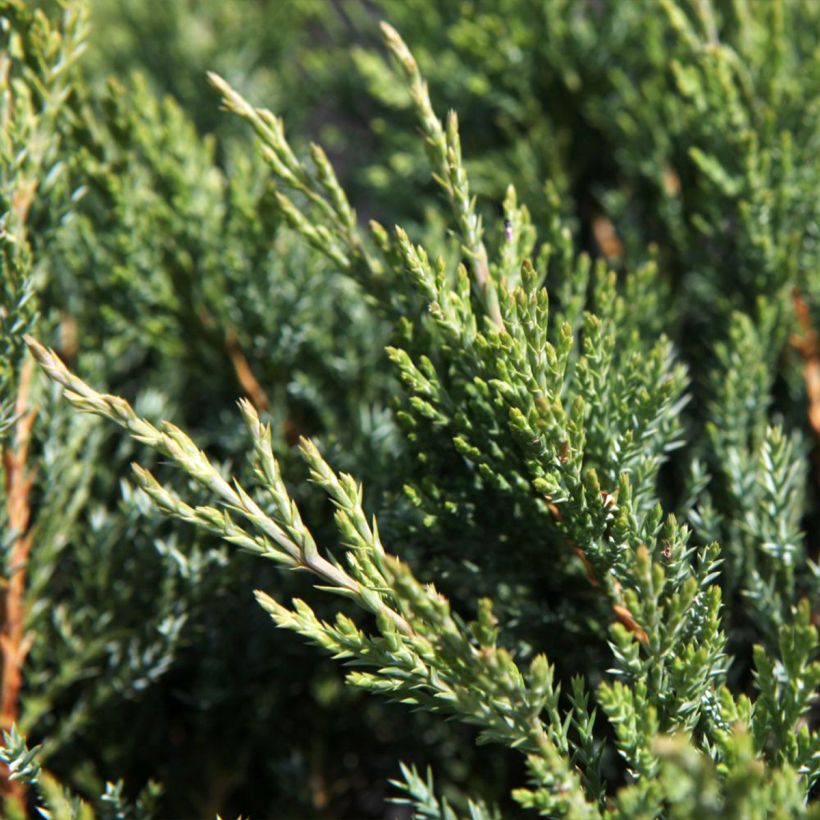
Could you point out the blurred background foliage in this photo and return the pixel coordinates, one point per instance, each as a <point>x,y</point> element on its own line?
<point>165,274</point>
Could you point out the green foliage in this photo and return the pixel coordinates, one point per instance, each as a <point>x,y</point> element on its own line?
<point>593,527</point>
<point>421,796</point>
<point>53,801</point>
<point>24,767</point>
<point>34,83</point>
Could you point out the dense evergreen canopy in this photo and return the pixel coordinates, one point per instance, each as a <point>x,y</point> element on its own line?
<point>540,464</point>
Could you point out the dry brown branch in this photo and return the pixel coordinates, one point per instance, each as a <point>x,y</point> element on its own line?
<point>607,239</point>
<point>244,375</point>
<point>807,345</point>
<point>620,611</point>
<point>14,643</point>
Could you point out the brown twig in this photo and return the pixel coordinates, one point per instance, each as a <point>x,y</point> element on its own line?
<point>627,619</point>
<point>807,345</point>
<point>620,611</point>
<point>254,391</point>
<point>244,375</point>
<point>607,238</point>
<point>14,643</point>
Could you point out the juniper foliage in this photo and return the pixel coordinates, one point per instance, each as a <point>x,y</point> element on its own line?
<point>602,463</point>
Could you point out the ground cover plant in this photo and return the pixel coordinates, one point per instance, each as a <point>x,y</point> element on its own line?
<point>509,411</point>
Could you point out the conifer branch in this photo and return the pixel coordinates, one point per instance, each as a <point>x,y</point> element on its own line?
<point>334,231</point>
<point>444,152</point>
<point>284,539</point>
<point>423,655</point>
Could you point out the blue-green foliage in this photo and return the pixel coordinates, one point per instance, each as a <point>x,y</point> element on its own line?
<point>590,476</point>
